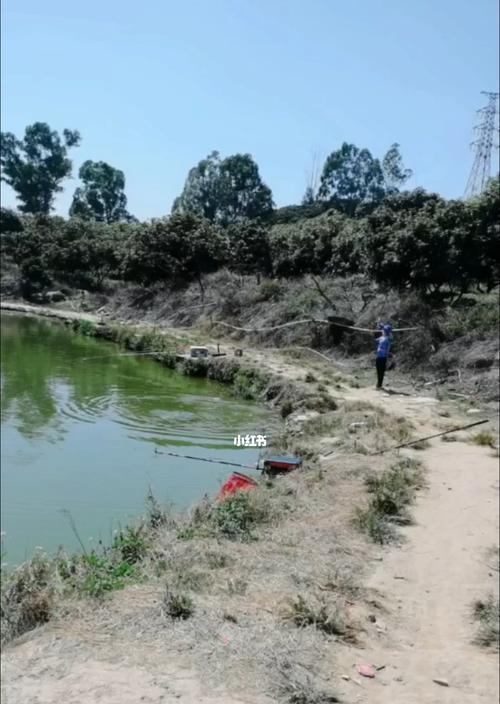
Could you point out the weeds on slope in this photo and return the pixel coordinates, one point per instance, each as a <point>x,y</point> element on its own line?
<point>391,493</point>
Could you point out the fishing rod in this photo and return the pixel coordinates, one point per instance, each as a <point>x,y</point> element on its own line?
<point>212,461</point>
<point>429,437</point>
<point>121,354</point>
<point>206,459</point>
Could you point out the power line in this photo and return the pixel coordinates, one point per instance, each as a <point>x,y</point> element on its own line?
<point>483,147</point>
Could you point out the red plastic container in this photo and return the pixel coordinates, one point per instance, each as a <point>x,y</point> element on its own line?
<point>236,482</point>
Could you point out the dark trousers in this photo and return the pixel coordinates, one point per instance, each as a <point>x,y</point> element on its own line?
<point>381,364</point>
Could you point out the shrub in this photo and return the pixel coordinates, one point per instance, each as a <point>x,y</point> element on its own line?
<point>131,544</point>
<point>376,527</point>
<point>85,327</point>
<point>487,614</point>
<point>249,384</point>
<point>391,492</point>
<point>324,617</point>
<point>102,575</point>
<point>237,515</point>
<point>217,560</point>
<point>484,438</point>
<point>26,597</point>
<point>269,290</point>
<point>194,367</point>
<point>177,606</point>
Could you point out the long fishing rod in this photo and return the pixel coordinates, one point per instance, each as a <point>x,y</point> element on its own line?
<point>205,459</point>
<point>429,437</point>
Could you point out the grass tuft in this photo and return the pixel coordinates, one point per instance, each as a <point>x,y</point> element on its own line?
<point>484,438</point>
<point>391,492</point>
<point>487,614</point>
<point>177,606</point>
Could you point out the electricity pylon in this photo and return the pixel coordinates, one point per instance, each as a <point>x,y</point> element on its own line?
<point>483,147</point>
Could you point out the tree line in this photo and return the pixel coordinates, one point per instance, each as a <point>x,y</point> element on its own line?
<point>410,241</point>
<point>223,191</point>
<point>355,221</point>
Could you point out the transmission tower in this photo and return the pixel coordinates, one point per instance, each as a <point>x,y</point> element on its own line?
<point>483,147</point>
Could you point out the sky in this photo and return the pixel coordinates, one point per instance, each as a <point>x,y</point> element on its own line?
<point>155,86</point>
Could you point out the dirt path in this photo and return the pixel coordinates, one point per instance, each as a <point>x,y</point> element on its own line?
<point>431,582</point>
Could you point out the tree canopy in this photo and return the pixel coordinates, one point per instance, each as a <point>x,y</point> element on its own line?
<point>102,197</point>
<point>36,165</point>
<point>352,177</point>
<point>225,191</point>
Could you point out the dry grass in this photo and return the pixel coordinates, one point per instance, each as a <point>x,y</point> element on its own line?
<point>485,439</point>
<point>390,494</point>
<point>487,615</point>
<point>359,427</point>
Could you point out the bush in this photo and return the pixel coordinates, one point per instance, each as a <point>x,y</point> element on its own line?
<point>249,384</point>
<point>85,327</point>
<point>391,493</point>
<point>236,516</point>
<point>100,575</point>
<point>269,290</point>
<point>324,617</point>
<point>487,614</point>
<point>194,367</point>
<point>286,409</point>
<point>178,606</point>
<point>27,596</point>
<point>131,544</point>
<point>484,439</point>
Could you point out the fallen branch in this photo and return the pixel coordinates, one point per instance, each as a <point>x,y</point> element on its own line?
<point>323,294</point>
<point>429,437</point>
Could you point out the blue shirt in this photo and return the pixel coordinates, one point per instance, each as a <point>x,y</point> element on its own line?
<point>383,347</point>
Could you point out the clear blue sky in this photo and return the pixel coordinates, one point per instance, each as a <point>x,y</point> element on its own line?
<point>154,86</point>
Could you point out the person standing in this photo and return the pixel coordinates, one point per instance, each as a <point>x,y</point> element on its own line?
<point>383,349</point>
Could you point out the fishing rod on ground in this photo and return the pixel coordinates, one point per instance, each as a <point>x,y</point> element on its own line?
<point>429,437</point>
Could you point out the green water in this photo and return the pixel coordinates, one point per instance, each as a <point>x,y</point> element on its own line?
<point>79,428</point>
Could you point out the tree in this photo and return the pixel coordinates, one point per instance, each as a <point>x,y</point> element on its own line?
<point>352,176</point>
<point>305,247</point>
<point>9,221</point>
<point>36,165</point>
<point>225,191</point>
<point>101,198</point>
<point>248,249</point>
<point>410,247</point>
<point>174,250</point>
<point>394,172</point>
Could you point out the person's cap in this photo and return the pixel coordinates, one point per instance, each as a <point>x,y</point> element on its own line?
<point>387,328</point>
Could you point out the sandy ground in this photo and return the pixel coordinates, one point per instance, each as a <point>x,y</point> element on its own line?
<point>427,585</point>
<point>430,584</point>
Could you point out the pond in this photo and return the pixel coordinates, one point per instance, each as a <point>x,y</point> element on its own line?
<point>80,422</point>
